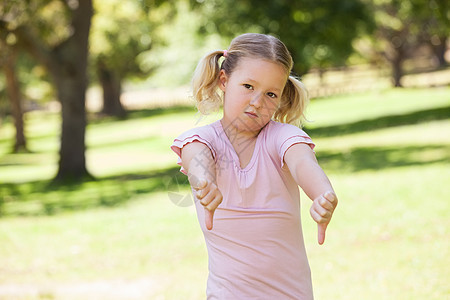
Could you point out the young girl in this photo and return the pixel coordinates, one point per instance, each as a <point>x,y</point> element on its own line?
<point>245,170</point>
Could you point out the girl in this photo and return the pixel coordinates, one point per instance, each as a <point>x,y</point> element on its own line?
<point>245,170</point>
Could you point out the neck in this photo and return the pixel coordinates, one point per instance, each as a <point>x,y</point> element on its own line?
<point>235,135</point>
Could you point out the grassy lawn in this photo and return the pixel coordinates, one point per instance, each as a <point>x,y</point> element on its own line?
<point>121,237</point>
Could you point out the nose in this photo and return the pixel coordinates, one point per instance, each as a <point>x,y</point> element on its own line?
<point>257,100</point>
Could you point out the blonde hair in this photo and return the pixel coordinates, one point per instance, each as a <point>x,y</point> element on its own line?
<point>205,82</point>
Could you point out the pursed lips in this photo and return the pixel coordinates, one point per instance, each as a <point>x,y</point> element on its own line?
<point>251,114</point>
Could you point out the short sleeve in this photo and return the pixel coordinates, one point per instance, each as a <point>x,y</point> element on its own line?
<point>289,135</point>
<point>200,134</point>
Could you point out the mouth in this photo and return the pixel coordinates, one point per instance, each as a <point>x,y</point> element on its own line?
<point>251,115</point>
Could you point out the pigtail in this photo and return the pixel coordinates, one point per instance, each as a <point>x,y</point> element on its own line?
<point>205,83</point>
<point>293,102</point>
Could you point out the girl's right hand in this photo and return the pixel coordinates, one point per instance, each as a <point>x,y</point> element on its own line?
<point>322,210</point>
<point>210,197</point>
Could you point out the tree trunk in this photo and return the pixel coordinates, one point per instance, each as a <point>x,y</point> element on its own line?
<point>439,51</point>
<point>71,88</point>
<point>70,76</point>
<point>397,66</point>
<point>112,89</point>
<point>15,99</point>
<point>397,72</point>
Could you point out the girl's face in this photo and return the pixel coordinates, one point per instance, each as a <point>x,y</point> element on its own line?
<point>252,93</point>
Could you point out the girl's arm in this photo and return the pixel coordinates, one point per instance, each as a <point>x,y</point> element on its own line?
<point>310,177</point>
<point>199,164</point>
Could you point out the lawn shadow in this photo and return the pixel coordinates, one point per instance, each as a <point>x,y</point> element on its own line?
<point>43,198</point>
<point>143,113</point>
<point>417,117</point>
<point>48,198</point>
<point>379,158</point>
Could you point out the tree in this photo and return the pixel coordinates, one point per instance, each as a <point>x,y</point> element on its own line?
<point>435,27</point>
<point>8,61</point>
<point>120,32</point>
<point>318,32</point>
<point>123,33</point>
<point>402,26</point>
<point>56,34</point>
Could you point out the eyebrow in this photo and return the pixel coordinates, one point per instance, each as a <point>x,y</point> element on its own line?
<point>255,81</point>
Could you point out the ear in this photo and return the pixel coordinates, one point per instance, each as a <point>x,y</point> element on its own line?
<point>223,78</point>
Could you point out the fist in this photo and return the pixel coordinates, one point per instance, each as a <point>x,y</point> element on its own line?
<point>321,211</point>
<point>210,197</point>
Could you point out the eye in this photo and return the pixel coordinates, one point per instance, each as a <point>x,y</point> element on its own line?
<point>248,86</point>
<point>272,95</point>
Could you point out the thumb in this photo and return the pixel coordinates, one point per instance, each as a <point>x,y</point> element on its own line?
<point>321,228</point>
<point>209,219</point>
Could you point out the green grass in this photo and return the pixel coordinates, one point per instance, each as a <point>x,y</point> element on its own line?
<point>148,240</point>
<point>387,154</point>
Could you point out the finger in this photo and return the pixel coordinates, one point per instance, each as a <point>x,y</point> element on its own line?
<point>322,211</point>
<point>330,196</point>
<point>214,203</point>
<point>209,219</point>
<point>200,184</point>
<point>202,191</point>
<point>209,211</point>
<point>200,194</point>
<point>316,217</point>
<point>325,203</point>
<point>208,198</point>
<point>321,228</point>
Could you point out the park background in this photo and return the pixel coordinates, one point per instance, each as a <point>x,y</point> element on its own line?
<point>92,203</point>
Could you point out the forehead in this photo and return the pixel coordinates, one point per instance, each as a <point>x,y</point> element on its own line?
<point>262,71</point>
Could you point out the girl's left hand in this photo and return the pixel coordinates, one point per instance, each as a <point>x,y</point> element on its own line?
<point>210,197</point>
<point>321,211</point>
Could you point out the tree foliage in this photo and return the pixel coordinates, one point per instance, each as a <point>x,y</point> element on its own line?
<point>120,31</point>
<point>318,32</point>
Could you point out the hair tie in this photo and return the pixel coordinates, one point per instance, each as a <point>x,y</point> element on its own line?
<point>225,53</point>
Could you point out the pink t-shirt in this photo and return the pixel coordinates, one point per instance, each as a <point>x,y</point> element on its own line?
<point>256,248</point>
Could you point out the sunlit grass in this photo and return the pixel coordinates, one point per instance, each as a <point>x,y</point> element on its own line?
<point>350,108</point>
<point>149,238</point>
<point>388,238</point>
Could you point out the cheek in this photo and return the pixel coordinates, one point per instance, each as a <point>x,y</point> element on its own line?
<point>274,104</point>
<point>231,106</point>
<point>271,106</point>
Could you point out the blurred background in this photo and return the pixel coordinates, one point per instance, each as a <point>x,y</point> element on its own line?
<point>92,94</point>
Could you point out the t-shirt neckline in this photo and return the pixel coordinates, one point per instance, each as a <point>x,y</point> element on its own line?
<point>255,153</point>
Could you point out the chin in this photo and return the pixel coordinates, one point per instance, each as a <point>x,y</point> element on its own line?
<point>252,125</point>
